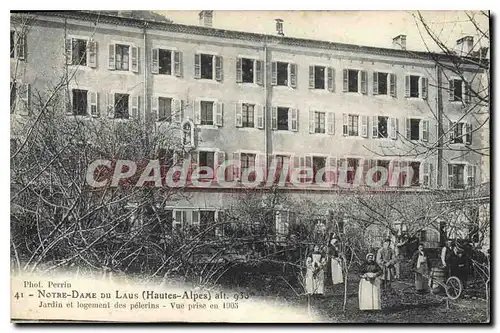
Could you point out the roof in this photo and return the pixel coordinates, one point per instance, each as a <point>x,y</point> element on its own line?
<point>105,17</point>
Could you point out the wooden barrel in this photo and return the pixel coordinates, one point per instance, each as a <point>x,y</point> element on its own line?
<point>438,274</point>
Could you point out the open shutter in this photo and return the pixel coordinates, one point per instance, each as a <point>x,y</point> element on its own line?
<point>394,173</point>
<point>259,68</point>
<point>178,63</point>
<point>424,174</point>
<point>197,112</point>
<point>364,126</point>
<point>111,57</point>
<point>154,108</point>
<point>345,80</point>
<point>408,128</point>
<point>393,86</point>
<point>69,51</point>
<point>25,95</point>
<point>218,68</point>
<point>219,160</point>
<point>260,116</point>
<point>375,83</point>
<point>330,120</point>
<point>92,54</point>
<point>451,130</point>
<point>134,109</point>
<point>331,79</point>
<point>197,66</point>
<point>195,217</point>
<point>110,101</point>
<point>366,167</point>
<point>274,118</point>
<point>466,94</point>
<point>219,113</point>
<point>374,127</point>
<point>425,130</point>
<point>293,75</point>
<point>311,121</point>
<point>425,87</point>
<point>364,82</point>
<point>451,172</point>
<point>21,45</point>
<point>331,175</point>
<point>177,111</point>
<point>294,119</point>
<point>260,165</point>
<point>239,71</point>
<point>345,127</point>
<point>451,90</point>
<point>92,104</point>
<point>134,59</point>
<point>394,133</point>
<point>468,134</point>
<point>407,86</point>
<point>274,73</point>
<point>311,77</point>
<point>155,55</point>
<point>236,166</point>
<point>238,114</point>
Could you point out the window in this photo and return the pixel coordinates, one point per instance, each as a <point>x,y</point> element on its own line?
<point>352,80</point>
<point>121,106</point>
<point>319,77</point>
<point>206,159</point>
<point>79,52</point>
<point>122,57</point>
<point>352,125</point>
<point>247,162</point>
<point>458,132</point>
<point>247,70</point>
<point>282,220</point>
<point>422,235</point>
<point>319,122</point>
<point>207,66</point>
<point>318,164</point>
<point>207,113</point>
<point>187,133</point>
<point>13,96</point>
<point>283,118</point>
<point>180,217</point>
<point>457,90</point>
<point>247,115</point>
<point>281,161</point>
<point>165,62</point>
<point>382,127</point>
<point>207,223</point>
<point>381,164</point>
<point>17,45</point>
<point>414,129</point>
<point>352,167</point>
<point>414,88</point>
<point>79,102</point>
<point>415,167</point>
<point>456,175</point>
<point>12,43</point>
<point>382,83</point>
<point>164,108</point>
<point>282,73</point>
<point>471,175</point>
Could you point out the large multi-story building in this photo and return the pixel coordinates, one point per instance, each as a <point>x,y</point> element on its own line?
<point>252,97</point>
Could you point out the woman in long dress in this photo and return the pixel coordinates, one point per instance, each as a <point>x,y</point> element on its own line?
<point>315,273</point>
<point>369,285</point>
<point>336,267</point>
<point>421,267</point>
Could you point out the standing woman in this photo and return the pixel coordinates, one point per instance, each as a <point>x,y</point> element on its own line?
<point>369,285</point>
<point>315,274</point>
<point>336,266</point>
<point>421,267</point>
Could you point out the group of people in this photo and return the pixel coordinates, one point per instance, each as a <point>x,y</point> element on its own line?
<point>380,269</point>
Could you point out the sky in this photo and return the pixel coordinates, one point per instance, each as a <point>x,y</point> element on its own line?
<point>371,28</point>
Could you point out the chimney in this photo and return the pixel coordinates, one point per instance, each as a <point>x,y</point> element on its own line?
<point>399,42</point>
<point>464,46</point>
<point>279,27</point>
<point>206,18</point>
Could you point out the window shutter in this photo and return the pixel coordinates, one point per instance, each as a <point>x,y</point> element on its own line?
<point>218,68</point>
<point>468,134</point>
<point>311,77</point>
<point>425,87</point>
<point>311,122</point>
<point>258,71</point>
<point>364,82</point>
<point>260,116</point>
<point>154,108</point>
<point>260,164</point>
<point>92,104</point>
<point>155,55</point>
<point>466,93</point>
<point>345,80</point>
<point>451,90</point>
<point>408,128</point>
<point>236,166</point>
<point>195,217</point>
<point>219,118</point>
<point>274,118</point>
<point>331,79</point>
<point>25,94</point>
<point>424,174</point>
<point>178,63</point>
<point>134,59</point>
<point>69,51</point>
<point>364,126</point>
<point>238,114</point>
<point>425,130</point>
<point>451,130</point>
<point>293,75</point>
<point>407,86</point>
<point>68,101</point>
<point>431,175</point>
<point>111,56</point>
<point>239,71</point>
<point>274,73</point>
<point>177,110</point>
<point>197,66</point>
<point>394,133</point>
<point>197,112</point>
<point>92,54</point>
<point>375,83</point>
<point>110,101</point>
<point>366,167</point>
<point>294,117</point>
<point>393,85</point>
<point>374,127</point>
<point>330,119</point>
<point>134,107</point>
<point>21,45</point>
<point>219,160</point>
<point>451,171</point>
<point>331,175</point>
<point>394,173</point>
<point>345,121</point>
